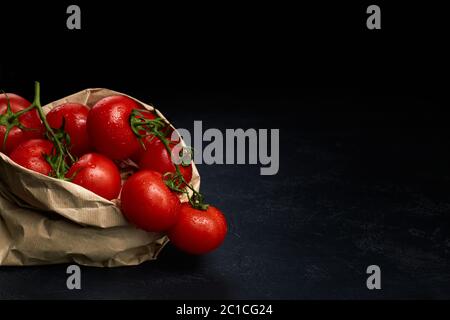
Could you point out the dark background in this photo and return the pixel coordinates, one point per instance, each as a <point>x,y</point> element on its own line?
<point>363,115</point>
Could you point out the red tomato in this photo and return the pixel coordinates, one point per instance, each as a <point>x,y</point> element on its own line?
<point>75,117</point>
<point>97,173</point>
<point>30,154</point>
<point>198,231</point>
<point>28,120</point>
<point>149,139</point>
<point>148,203</point>
<point>157,158</point>
<point>109,127</point>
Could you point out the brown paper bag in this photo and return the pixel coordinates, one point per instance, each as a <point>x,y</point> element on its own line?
<point>44,220</point>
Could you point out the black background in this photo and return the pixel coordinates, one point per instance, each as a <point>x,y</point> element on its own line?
<point>364,175</point>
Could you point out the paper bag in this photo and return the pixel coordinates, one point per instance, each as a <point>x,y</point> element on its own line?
<point>44,220</point>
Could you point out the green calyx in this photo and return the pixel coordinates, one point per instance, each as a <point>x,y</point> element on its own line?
<point>10,120</point>
<point>158,128</point>
<point>60,158</point>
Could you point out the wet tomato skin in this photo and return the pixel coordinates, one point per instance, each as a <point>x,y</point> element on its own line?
<point>30,154</point>
<point>157,158</point>
<point>109,127</point>
<point>29,120</point>
<point>148,140</point>
<point>98,174</point>
<point>75,125</point>
<point>148,203</point>
<point>198,231</point>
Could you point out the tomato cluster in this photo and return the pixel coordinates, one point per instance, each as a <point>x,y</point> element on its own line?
<point>86,144</point>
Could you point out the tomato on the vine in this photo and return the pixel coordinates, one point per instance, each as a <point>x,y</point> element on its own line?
<point>198,231</point>
<point>17,129</point>
<point>109,127</point>
<point>157,158</point>
<point>148,203</point>
<point>98,174</point>
<point>31,155</point>
<point>148,139</point>
<point>75,125</point>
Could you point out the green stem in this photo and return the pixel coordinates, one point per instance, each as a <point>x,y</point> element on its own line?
<point>10,120</point>
<point>37,103</point>
<point>152,128</point>
<point>60,152</point>
<point>21,112</point>
<point>58,166</point>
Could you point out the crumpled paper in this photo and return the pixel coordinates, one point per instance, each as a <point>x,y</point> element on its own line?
<point>44,220</point>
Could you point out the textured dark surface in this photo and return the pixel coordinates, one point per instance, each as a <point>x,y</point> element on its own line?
<point>344,198</point>
<point>365,158</point>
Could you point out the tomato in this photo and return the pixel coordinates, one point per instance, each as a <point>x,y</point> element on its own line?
<point>198,231</point>
<point>75,118</point>
<point>149,139</point>
<point>97,173</point>
<point>157,158</point>
<point>30,154</point>
<point>29,120</point>
<point>146,140</point>
<point>148,203</point>
<point>109,127</point>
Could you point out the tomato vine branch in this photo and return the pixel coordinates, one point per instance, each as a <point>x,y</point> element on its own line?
<point>150,128</point>
<point>10,120</point>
